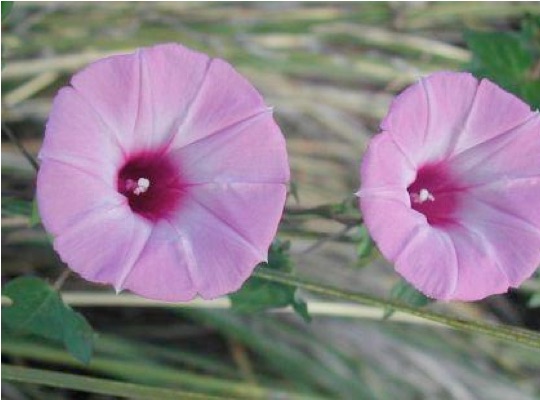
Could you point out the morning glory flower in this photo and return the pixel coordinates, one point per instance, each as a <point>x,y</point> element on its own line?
<point>450,190</point>
<point>162,172</point>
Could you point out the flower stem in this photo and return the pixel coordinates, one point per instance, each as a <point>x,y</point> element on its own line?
<point>341,213</point>
<point>9,133</point>
<point>506,333</point>
<point>61,279</point>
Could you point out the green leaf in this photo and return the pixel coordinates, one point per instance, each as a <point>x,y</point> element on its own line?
<point>499,55</point>
<point>6,9</point>
<point>293,191</point>
<point>35,218</point>
<point>510,59</point>
<point>530,34</point>
<point>301,308</point>
<point>259,294</point>
<point>34,310</point>
<point>534,301</point>
<point>406,294</point>
<point>15,206</point>
<point>38,309</point>
<point>365,245</point>
<point>78,335</point>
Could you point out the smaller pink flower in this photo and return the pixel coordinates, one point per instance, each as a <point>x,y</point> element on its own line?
<point>451,187</point>
<point>162,172</point>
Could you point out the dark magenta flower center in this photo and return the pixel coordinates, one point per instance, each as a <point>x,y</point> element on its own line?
<point>152,184</point>
<point>435,194</point>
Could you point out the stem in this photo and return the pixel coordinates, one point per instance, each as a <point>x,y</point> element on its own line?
<point>95,385</point>
<point>288,232</point>
<point>327,238</point>
<point>157,373</point>
<point>316,307</point>
<point>326,211</point>
<point>61,279</point>
<point>19,145</point>
<point>509,334</point>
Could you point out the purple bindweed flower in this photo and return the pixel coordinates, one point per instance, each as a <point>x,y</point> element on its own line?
<point>451,187</point>
<point>162,172</point>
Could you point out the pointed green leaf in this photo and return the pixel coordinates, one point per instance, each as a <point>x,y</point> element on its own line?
<point>6,9</point>
<point>78,335</point>
<point>365,245</point>
<point>510,59</point>
<point>37,309</point>
<point>406,294</point>
<point>259,294</point>
<point>301,308</point>
<point>35,218</point>
<point>293,191</point>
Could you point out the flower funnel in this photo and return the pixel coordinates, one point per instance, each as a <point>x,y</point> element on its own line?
<point>451,187</point>
<point>162,172</point>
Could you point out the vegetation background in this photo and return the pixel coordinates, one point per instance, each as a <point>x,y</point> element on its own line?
<point>330,70</point>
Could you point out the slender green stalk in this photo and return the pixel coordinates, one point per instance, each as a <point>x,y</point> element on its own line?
<point>97,385</point>
<point>506,333</point>
<point>148,373</point>
<point>337,212</point>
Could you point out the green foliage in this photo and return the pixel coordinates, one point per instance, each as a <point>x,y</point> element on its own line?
<point>366,245</point>
<point>405,293</point>
<point>12,206</point>
<point>293,191</point>
<point>6,9</point>
<point>510,59</point>
<point>259,294</point>
<point>38,309</point>
<point>35,218</point>
<point>534,301</point>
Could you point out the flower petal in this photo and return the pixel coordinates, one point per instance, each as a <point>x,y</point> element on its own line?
<point>429,262</point>
<point>384,166</point>
<point>252,151</point>
<point>479,272</point>
<point>384,200</point>
<point>427,117</point>
<point>104,245</point>
<point>171,78</point>
<point>246,208</point>
<point>511,156</point>
<point>66,193</point>
<point>143,97</point>
<point>225,98</point>
<point>110,87</point>
<point>493,112</point>
<point>518,197</point>
<point>162,271</point>
<point>219,258</point>
<point>514,241</point>
<point>391,223</point>
<point>76,135</point>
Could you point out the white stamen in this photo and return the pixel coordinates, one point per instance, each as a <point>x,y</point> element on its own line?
<point>423,196</point>
<point>142,186</point>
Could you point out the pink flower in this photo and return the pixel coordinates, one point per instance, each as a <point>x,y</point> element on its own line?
<point>451,187</point>
<point>162,172</point>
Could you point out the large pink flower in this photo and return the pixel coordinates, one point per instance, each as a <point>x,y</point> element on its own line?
<point>451,187</point>
<point>162,172</point>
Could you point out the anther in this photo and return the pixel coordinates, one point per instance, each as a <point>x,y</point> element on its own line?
<point>138,187</point>
<point>423,196</point>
